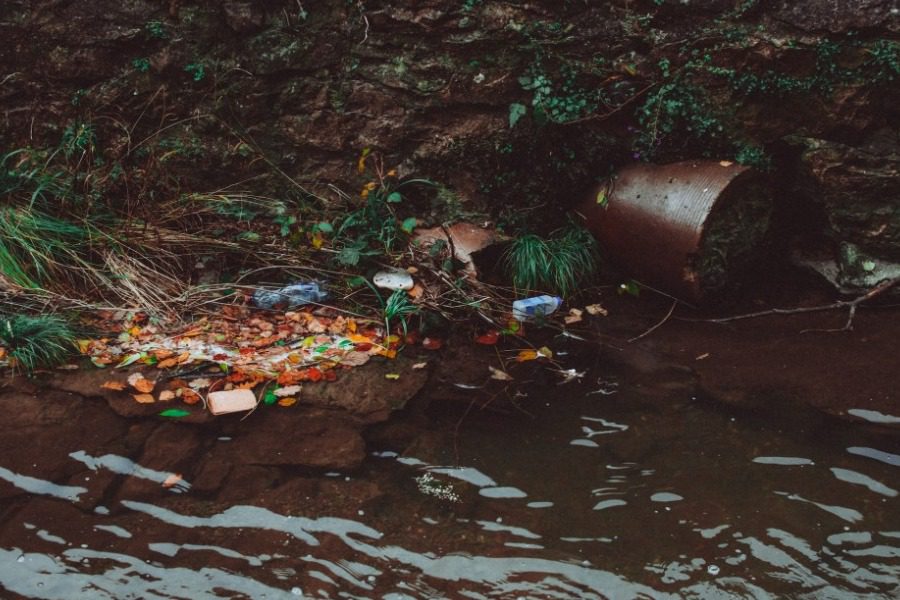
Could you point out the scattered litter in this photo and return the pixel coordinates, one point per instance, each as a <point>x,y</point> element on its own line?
<point>538,306</point>
<point>290,390</point>
<point>703,356</point>
<point>420,365</point>
<point>231,401</point>
<point>294,295</point>
<point>394,279</point>
<point>569,375</point>
<point>468,386</point>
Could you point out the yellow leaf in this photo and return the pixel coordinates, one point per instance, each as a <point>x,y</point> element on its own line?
<point>545,352</point>
<point>83,346</point>
<point>287,402</point>
<point>294,358</point>
<point>144,398</point>
<point>392,375</point>
<point>134,331</point>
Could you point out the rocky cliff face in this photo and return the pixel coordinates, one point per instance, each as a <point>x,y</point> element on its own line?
<point>515,106</point>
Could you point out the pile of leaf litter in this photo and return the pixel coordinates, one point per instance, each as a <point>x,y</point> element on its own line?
<point>272,353</point>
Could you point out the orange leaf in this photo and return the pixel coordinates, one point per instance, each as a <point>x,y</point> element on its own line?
<point>113,385</point>
<point>138,382</point>
<point>314,374</point>
<point>144,398</point>
<point>525,355</point>
<point>162,354</point>
<point>189,396</point>
<point>184,357</point>
<point>287,402</point>
<point>167,364</point>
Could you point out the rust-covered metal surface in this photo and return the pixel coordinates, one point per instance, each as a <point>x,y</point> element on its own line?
<point>650,218</point>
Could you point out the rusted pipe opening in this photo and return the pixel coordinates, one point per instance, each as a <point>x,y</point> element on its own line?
<point>688,228</point>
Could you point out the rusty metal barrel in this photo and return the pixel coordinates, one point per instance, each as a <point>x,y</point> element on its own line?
<point>685,228</point>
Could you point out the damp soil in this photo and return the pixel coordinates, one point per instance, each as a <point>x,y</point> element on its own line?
<point>700,461</point>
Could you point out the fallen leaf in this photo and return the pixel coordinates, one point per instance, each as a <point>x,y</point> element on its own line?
<point>166,395</point>
<point>416,292</point>
<point>420,365</point>
<point>144,398</point>
<point>596,309</point>
<point>141,384</point>
<point>167,363</point>
<point>289,390</point>
<point>130,360</point>
<point>394,376</point>
<point>172,480</point>
<point>355,358</point>
<point>526,355</point>
<point>287,402</point>
<point>200,383</point>
<point>725,163</point>
<point>189,396</point>
<point>113,385</point>
<point>703,356</point>
<point>174,413</point>
<point>499,375</point>
<point>574,316</point>
<point>545,352</point>
<point>488,339</point>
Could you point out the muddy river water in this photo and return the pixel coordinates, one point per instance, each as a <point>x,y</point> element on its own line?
<point>603,487</point>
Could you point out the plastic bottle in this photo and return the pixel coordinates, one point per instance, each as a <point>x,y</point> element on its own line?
<point>291,296</point>
<point>538,306</point>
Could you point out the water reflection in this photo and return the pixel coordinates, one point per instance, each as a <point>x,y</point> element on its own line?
<point>610,495</point>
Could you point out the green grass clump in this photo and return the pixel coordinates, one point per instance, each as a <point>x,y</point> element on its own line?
<point>558,264</point>
<point>33,244</point>
<point>33,342</point>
